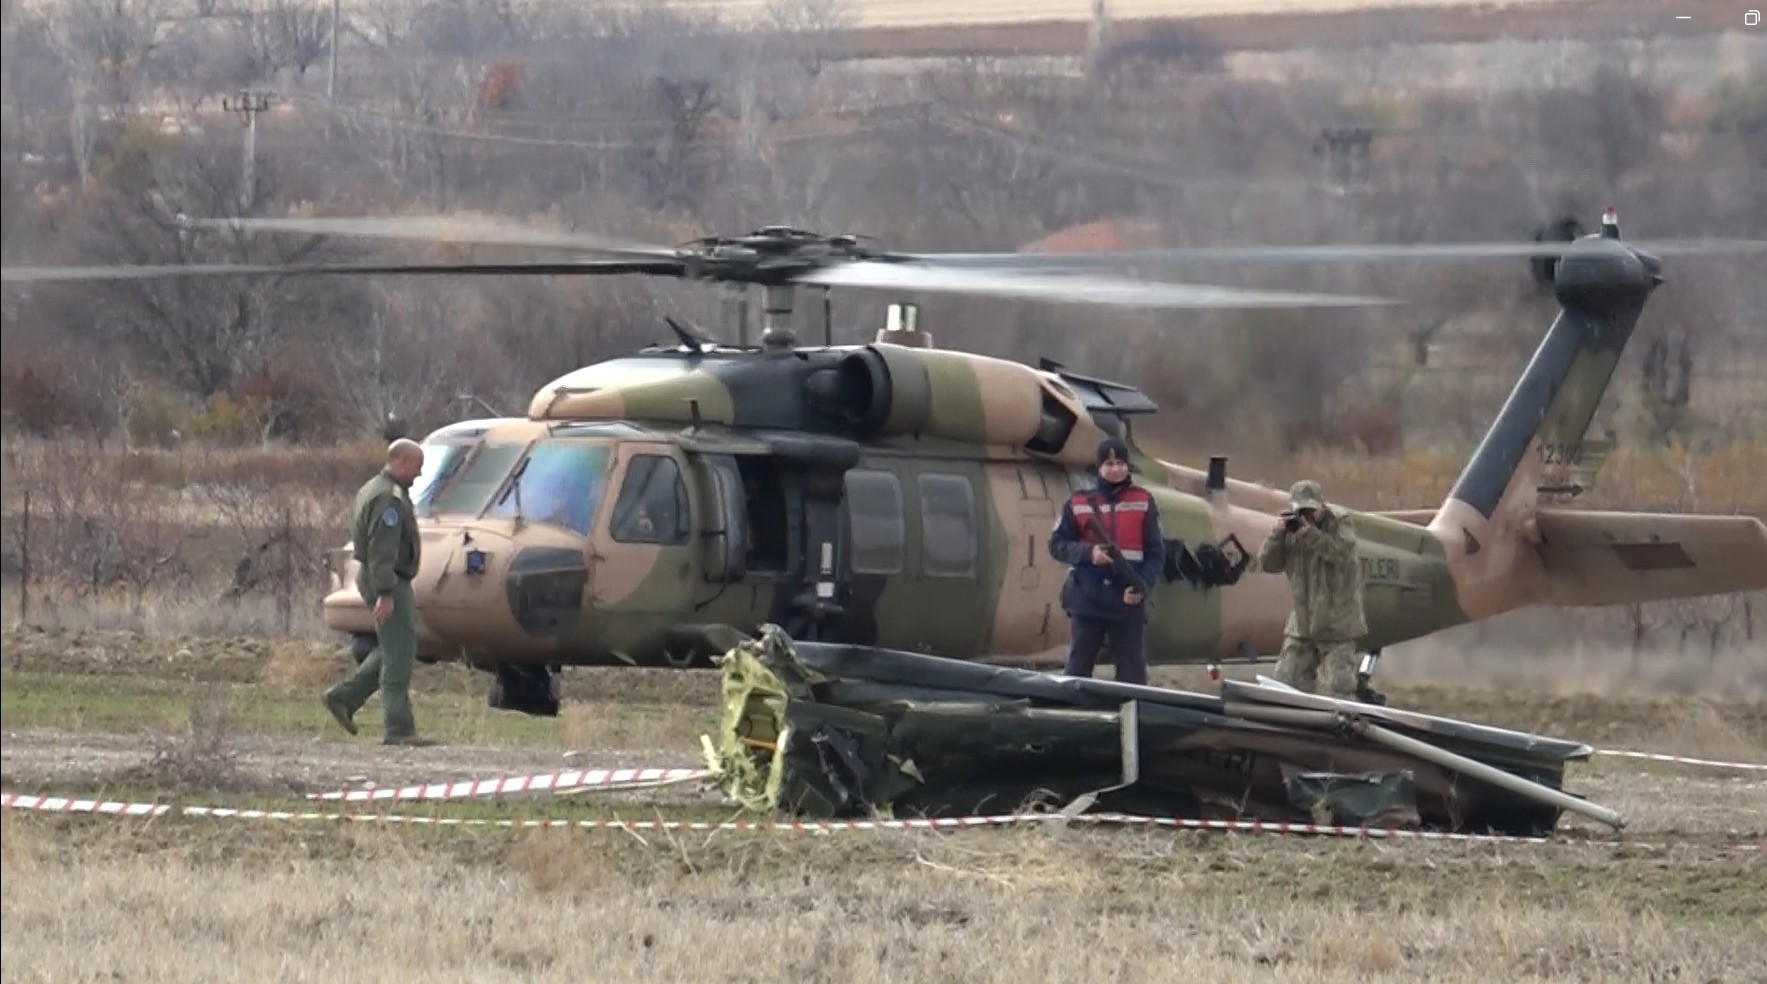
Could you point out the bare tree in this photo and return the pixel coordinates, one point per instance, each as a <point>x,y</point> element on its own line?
<point>1612,126</point>
<point>106,44</point>
<point>815,29</point>
<point>201,332</point>
<point>386,25</point>
<point>288,33</point>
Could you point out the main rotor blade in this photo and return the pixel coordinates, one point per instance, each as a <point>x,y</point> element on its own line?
<point>443,229</point>
<point>1079,290</point>
<point>1374,252</point>
<point>41,274</point>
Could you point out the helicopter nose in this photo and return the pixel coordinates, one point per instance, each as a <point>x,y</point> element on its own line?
<point>545,586</point>
<point>483,589</point>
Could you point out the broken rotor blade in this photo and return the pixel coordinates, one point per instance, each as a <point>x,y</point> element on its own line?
<point>1374,252</point>
<point>1076,289</point>
<point>44,274</point>
<point>442,229</point>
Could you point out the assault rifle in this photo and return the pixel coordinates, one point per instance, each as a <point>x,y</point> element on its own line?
<point>1119,563</point>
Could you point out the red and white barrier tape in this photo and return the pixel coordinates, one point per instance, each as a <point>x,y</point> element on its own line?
<point>1683,760</point>
<point>568,780</point>
<point>65,804</point>
<point>571,780</point>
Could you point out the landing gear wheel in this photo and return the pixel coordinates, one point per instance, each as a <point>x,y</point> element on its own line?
<point>526,688</point>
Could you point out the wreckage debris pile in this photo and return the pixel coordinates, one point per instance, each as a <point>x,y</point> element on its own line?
<point>828,730</point>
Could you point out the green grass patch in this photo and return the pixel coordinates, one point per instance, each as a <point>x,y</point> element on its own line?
<point>90,703</point>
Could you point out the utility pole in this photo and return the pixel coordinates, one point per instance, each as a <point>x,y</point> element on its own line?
<point>1098,38</point>
<point>1348,153</point>
<point>249,104</point>
<point>331,79</point>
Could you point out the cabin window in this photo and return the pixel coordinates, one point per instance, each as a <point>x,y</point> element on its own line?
<point>559,483</point>
<point>876,533</point>
<point>476,481</point>
<point>947,526</point>
<point>652,507</point>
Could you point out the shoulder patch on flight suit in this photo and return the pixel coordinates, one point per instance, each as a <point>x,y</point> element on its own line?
<point>391,516</point>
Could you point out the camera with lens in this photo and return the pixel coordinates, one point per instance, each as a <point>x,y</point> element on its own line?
<point>1291,521</point>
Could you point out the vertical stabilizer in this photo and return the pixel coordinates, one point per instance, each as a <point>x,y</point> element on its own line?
<point>1487,523</point>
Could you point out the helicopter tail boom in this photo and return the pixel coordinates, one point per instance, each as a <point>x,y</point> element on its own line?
<point>1491,525</point>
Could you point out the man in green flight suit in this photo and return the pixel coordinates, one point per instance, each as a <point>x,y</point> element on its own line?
<point>1316,547</point>
<point>387,546</point>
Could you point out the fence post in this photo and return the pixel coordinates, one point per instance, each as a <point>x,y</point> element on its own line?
<point>24,564</point>
<point>287,573</point>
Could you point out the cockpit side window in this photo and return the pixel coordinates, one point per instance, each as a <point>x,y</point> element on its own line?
<point>652,507</point>
<point>560,483</point>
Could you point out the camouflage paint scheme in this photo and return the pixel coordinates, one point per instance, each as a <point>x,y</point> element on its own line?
<point>1012,440</point>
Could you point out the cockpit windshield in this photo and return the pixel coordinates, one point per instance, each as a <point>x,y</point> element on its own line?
<point>474,479</point>
<point>440,461</point>
<point>560,482</point>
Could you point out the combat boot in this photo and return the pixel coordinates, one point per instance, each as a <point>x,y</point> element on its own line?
<point>410,741</point>
<point>339,710</point>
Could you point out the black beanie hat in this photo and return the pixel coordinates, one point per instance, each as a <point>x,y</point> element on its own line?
<point>1112,447</point>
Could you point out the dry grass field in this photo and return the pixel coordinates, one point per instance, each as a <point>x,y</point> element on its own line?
<point>234,722</point>
<point>190,696</point>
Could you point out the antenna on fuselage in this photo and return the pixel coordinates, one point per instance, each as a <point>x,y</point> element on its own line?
<point>688,338</point>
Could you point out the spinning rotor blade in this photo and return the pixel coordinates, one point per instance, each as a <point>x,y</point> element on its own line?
<point>443,230</point>
<point>1313,254</point>
<point>41,274</point>
<point>1083,290</point>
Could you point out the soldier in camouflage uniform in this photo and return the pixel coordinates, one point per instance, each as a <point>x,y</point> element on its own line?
<point>384,534</point>
<point>1316,548</point>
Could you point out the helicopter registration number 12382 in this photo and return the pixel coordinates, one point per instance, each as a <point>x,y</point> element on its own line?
<point>1562,454</point>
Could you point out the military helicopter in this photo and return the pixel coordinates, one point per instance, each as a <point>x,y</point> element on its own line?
<point>656,508</point>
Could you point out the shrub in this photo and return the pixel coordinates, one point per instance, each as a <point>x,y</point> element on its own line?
<point>159,418</point>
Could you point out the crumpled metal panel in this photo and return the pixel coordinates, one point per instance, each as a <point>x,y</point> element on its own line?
<point>1366,799</point>
<point>834,730</point>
